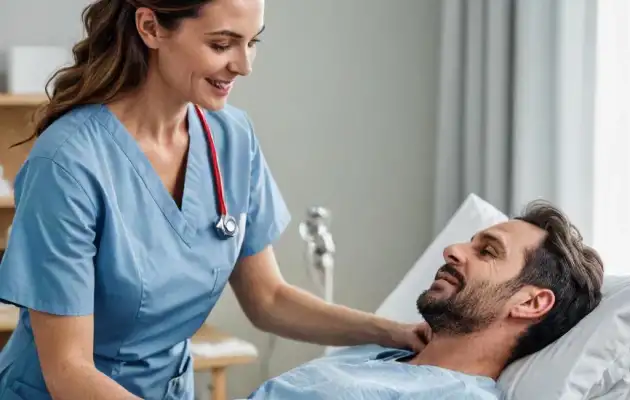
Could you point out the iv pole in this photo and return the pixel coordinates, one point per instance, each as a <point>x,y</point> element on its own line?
<point>320,249</point>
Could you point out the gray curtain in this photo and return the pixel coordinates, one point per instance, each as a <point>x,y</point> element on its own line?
<point>516,105</point>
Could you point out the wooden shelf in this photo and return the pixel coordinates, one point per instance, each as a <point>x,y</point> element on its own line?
<point>6,202</point>
<point>22,100</point>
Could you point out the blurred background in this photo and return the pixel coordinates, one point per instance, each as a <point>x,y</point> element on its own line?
<point>389,113</point>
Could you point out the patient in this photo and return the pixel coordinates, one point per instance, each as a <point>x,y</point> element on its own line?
<point>509,292</point>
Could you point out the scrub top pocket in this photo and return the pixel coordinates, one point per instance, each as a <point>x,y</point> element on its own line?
<point>182,386</point>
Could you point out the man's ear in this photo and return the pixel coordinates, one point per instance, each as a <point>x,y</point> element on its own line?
<point>535,303</point>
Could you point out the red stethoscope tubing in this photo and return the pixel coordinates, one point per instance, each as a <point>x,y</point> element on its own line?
<point>216,172</point>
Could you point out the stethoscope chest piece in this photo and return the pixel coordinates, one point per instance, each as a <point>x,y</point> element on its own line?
<point>227,226</point>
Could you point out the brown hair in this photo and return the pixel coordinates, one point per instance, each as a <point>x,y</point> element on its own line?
<point>111,59</point>
<point>565,265</point>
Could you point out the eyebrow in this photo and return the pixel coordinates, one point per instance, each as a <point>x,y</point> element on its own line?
<point>491,237</point>
<point>232,34</point>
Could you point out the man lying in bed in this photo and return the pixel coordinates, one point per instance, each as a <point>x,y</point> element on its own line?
<point>509,292</point>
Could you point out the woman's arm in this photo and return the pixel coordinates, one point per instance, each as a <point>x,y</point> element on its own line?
<point>274,306</point>
<point>65,350</point>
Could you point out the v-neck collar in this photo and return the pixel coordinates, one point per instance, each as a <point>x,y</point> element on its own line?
<point>182,220</point>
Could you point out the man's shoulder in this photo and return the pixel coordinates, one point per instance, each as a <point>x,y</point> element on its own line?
<point>470,387</point>
<point>476,394</point>
<point>482,393</point>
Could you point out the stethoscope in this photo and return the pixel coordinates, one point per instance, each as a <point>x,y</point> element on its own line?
<point>226,226</point>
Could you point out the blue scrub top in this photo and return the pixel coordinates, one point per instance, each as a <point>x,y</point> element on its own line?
<point>96,232</point>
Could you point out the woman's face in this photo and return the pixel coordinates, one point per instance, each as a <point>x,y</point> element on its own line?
<point>200,60</point>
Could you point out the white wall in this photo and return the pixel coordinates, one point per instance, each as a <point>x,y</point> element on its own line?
<point>38,22</point>
<point>343,98</point>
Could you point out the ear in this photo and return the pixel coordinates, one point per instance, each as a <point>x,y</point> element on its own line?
<point>535,304</point>
<point>148,27</point>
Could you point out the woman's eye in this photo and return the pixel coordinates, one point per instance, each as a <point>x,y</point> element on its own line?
<point>219,47</point>
<point>253,43</point>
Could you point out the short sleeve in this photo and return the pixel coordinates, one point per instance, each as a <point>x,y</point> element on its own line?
<point>267,213</point>
<point>48,265</point>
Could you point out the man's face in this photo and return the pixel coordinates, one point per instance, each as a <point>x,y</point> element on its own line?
<point>479,281</point>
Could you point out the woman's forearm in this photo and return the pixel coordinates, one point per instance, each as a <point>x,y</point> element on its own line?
<point>299,315</point>
<point>76,381</point>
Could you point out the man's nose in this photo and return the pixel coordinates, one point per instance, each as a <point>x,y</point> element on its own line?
<point>454,254</point>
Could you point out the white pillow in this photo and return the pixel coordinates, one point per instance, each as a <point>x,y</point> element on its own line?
<point>588,362</point>
<point>585,363</point>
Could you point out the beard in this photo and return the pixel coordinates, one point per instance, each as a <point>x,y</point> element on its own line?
<point>470,308</point>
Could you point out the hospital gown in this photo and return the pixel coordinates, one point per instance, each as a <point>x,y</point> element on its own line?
<point>371,372</point>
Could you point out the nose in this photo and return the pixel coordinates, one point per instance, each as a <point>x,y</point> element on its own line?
<point>454,254</point>
<point>242,63</point>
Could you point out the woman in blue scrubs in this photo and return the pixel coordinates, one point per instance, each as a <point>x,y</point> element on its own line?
<point>114,256</point>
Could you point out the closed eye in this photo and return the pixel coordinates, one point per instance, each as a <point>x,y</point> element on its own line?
<point>219,47</point>
<point>488,251</point>
<point>222,47</point>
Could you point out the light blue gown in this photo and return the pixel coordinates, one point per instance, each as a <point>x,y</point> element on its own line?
<point>374,373</point>
<point>96,232</point>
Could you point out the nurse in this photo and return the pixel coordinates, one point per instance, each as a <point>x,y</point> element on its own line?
<point>143,196</point>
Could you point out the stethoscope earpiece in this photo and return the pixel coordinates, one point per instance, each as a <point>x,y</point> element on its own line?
<point>226,226</point>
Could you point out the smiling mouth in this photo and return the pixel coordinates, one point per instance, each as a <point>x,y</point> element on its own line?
<point>448,278</point>
<point>219,84</point>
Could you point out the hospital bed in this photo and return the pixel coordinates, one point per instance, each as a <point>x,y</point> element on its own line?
<point>592,361</point>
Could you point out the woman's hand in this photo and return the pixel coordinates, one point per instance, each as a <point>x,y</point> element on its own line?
<point>410,336</point>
